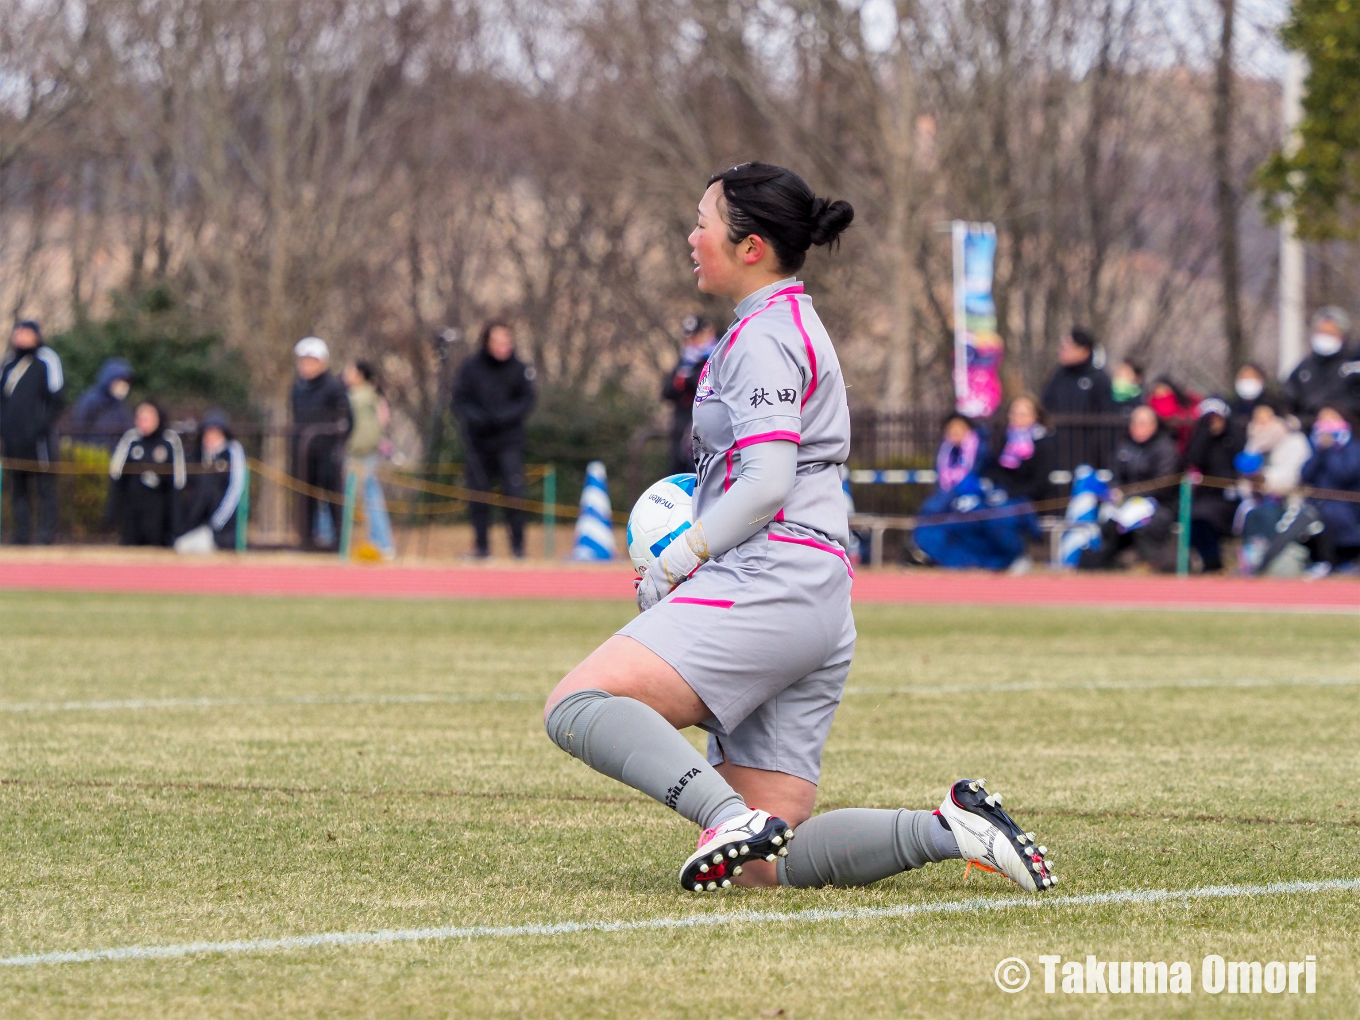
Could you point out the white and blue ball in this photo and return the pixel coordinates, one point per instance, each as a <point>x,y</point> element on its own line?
<point>661,514</point>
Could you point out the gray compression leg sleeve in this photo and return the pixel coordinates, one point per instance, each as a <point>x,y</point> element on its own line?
<point>856,846</point>
<point>631,742</point>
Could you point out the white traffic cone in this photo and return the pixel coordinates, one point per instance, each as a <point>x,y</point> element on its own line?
<point>595,527</point>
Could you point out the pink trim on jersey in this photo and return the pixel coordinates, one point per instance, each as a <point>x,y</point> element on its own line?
<point>811,543</point>
<point>727,478</point>
<point>715,603</point>
<point>778,436</point>
<point>797,288</point>
<point>807,343</point>
<point>779,517</point>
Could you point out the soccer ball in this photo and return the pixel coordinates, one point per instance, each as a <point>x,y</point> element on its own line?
<point>659,516</point>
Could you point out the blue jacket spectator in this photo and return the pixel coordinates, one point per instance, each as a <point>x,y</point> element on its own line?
<point>101,414</point>
<point>1335,464</point>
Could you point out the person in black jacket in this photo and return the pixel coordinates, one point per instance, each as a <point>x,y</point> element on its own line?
<point>681,386</point>
<point>1024,453</point>
<point>1213,445</point>
<point>321,423</point>
<point>147,472</point>
<point>1079,388</point>
<point>31,386</point>
<point>101,414</point>
<point>1144,455</point>
<point>1330,375</point>
<point>216,491</point>
<point>493,396</point>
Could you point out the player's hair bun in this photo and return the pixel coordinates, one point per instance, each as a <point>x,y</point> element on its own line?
<point>776,204</point>
<point>829,220</point>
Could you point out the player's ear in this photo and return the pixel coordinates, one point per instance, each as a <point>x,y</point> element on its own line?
<point>751,249</point>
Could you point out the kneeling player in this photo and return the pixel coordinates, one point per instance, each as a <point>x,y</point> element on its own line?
<point>746,627</point>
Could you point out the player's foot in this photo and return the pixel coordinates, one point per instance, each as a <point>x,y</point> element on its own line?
<point>752,835</point>
<point>989,837</point>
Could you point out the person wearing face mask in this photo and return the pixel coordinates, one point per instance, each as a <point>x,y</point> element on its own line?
<point>1249,389</point>
<point>1330,375</point>
<point>101,414</point>
<point>1335,465</point>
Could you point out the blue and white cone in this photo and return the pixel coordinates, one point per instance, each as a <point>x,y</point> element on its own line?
<point>594,528</point>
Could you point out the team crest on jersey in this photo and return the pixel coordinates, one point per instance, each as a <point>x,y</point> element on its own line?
<point>158,455</point>
<point>704,390</point>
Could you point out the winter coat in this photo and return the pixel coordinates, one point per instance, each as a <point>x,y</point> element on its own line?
<point>1135,463</point>
<point>146,475</point>
<point>321,418</point>
<point>1079,389</point>
<point>493,398</point>
<point>367,434</point>
<point>215,493</point>
<point>1320,382</point>
<point>31,384</point>
<point>1029,481</point>
<point>1337,467</point>
<point>99,417</point>
<point>1212,456</point>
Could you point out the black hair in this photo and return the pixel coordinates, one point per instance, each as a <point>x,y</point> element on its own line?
<point>484,337</point>
<point>958,416</point>
<point>366,369</point>
<point>1255,368</point>
<point>29,324</point>
<point>155,406</point>
<point>1137,367</point>
<point>1082,337</point>
<point>1172,385</point>
<point>777,206</point>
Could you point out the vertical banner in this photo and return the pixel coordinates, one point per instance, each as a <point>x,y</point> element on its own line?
<point>977,344</point>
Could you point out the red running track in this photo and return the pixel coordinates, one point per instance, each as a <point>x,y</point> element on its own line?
<point>612,582</point>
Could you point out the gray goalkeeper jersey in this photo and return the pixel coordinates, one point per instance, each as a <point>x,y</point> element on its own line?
<point>775,376</point>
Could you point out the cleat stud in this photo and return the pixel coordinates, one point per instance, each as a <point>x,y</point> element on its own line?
<point>770,858</point>
<point>732,852</point>
<point>788,834</point>
<point>726,883</point>
<point>1043,850</point>
<point>982,782</point>
<point>737,870</point>
<point>973,787</point>
<point>776,840</point>
<point>1048,882</point>
<point>989,800</point>
<point>698,887</point>
<point>717,858</point>
<point>703,869</point>
<point>711,886</point>
<point>1020,839</point>
<point>745,849</point>
<point>783,851</point>
<point>1031,836</point>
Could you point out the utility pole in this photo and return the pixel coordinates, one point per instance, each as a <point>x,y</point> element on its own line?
<point>1291,311</point>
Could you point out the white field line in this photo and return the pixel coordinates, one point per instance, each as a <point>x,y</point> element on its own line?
<point>715,919</point>
<point>138,704</point>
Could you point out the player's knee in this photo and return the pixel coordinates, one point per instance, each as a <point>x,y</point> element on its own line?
<point>565,719</point>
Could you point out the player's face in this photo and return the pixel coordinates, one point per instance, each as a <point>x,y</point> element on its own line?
<point>146,419</point>
<point>716,263</point>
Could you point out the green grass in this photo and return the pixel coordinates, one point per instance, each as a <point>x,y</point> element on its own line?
<point>266,815</point>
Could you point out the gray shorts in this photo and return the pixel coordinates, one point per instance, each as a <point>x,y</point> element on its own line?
<point>765,636</point>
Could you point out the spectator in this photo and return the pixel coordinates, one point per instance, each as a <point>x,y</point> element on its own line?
<point>367,444</point>
<point>1213,447</point>
<point>1176,407</point>
<point>1270,466</point>
<point>681,385</point>
<point>1024,454</point>
<point>1142,519</point>
<point>1250,389</point>
<point>1126,387</point>
<point>1274,454</point>
<point>492,398</point>
<point>147,470</point>
<point>216,491</point>
<point>101,415</point>
<point>1327,377</point>
<point>1335,465</point>
<point>30,400</point>
<point>321,422</point>
<point>1079,389</point>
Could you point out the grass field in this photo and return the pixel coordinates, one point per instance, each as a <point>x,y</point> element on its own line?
<point>361,766</point>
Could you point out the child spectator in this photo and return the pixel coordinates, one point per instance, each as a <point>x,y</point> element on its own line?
<point>1212,449</point>
<point>147,470</point>
<point>1126,386</point>
<point>1335,465</point>
<point>216,491</point>
<point>1025,453</point>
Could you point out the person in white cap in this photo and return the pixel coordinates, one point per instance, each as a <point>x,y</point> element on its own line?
<point>321,423</point>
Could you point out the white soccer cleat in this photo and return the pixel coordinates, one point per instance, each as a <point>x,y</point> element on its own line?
<point>752,835</point>
<point>990,839</point>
